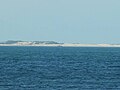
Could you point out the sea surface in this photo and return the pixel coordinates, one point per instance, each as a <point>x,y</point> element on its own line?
<point>59,68</point>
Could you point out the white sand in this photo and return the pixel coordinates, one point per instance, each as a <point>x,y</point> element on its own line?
<point>64,45</point>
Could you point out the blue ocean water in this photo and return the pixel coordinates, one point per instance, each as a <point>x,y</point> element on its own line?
<point>59,68</point>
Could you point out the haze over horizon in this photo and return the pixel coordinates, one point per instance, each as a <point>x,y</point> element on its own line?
<point>66,21</point>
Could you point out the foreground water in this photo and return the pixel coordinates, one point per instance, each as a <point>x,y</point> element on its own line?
<point>59,68</point>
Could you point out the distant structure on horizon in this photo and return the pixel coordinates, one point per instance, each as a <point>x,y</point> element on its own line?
<point>29,42</point>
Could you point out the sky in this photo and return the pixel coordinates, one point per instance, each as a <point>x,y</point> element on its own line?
<point>66,21</point>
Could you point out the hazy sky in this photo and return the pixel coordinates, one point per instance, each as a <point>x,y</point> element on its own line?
<point>83,21</point>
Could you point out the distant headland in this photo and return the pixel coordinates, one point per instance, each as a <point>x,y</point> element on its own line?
<point>53,43</point>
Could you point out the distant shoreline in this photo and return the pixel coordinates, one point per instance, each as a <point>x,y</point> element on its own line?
<point>64,45</point>
<point>53,44</point>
